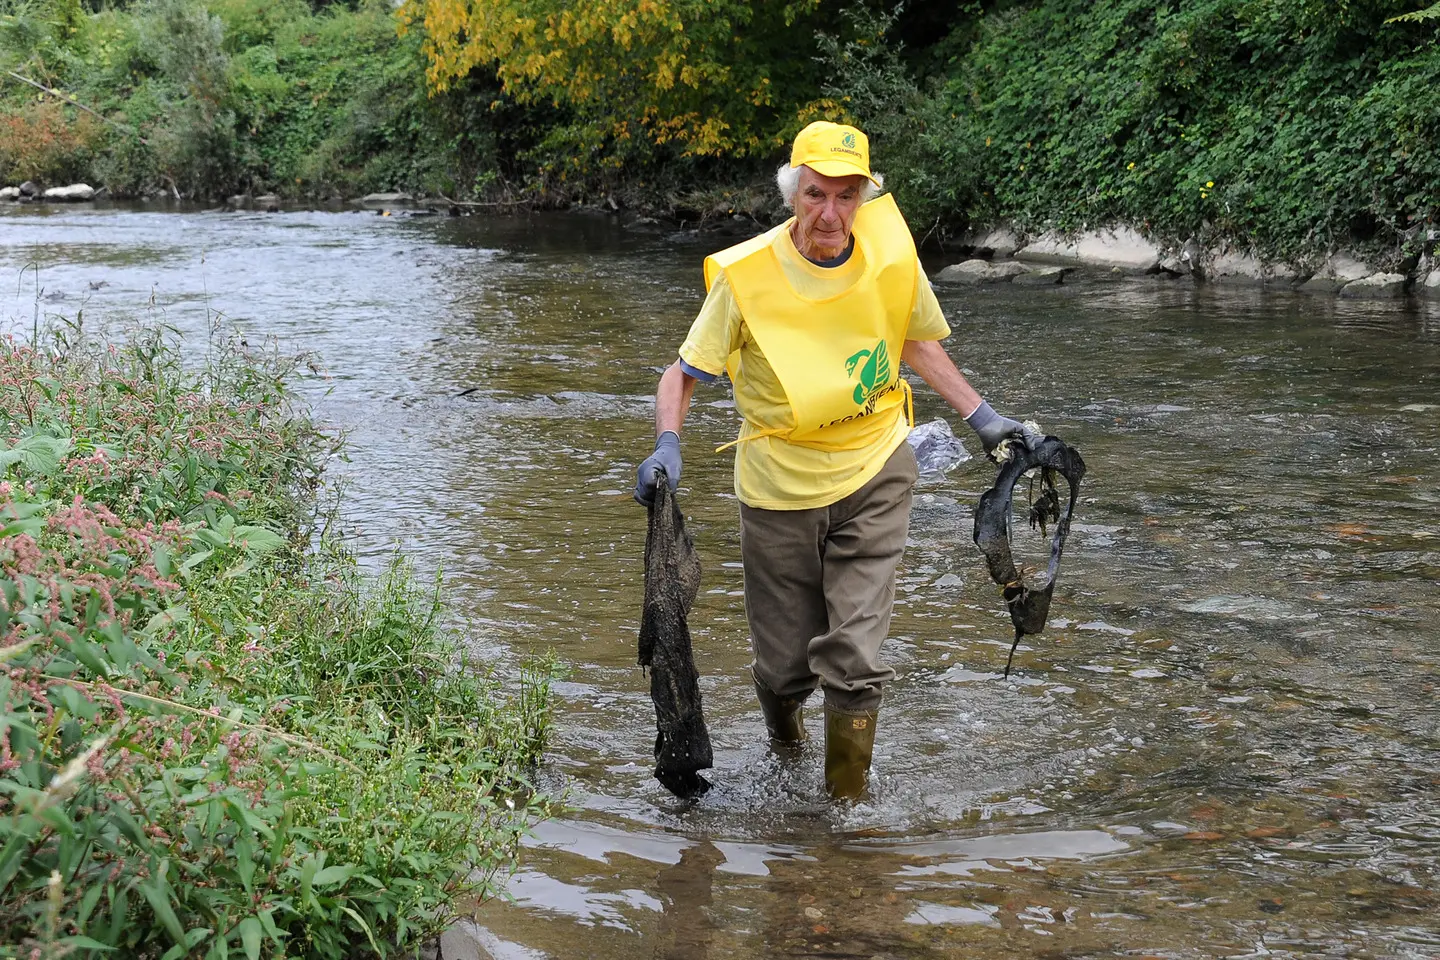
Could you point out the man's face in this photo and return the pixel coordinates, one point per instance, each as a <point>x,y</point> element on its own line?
<point>824,212</point>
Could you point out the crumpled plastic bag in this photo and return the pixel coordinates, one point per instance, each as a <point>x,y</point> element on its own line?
<point>937,449</point>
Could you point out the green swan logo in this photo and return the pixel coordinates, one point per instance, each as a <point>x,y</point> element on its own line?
<point>874,375</point>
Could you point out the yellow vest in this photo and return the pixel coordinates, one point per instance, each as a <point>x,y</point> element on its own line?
<point>838,359</point>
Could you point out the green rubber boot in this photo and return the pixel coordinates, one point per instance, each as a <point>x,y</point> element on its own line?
<point>784,719</point>
<point>849,744</point>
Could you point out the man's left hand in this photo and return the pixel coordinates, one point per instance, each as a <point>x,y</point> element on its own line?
<point>993,429</point>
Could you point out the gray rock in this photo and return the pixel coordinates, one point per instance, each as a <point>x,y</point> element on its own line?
<point>241,201</point>
<point>1344,269</point>
<point>1044,277</point>
<point>384,199</point>
<point>75,193</point>
<point>1286,273</point>
<point>1431,286</point>
<point>9,193</point>
<point>1236,266</point>
<point>268,202</point>
<point>998,243</point>
<point>1190,254</point>
<point>1175,265</point>
<point>29,189</point>
<point>464,941</point>
<point>1121,248</point>
<point>979,271</point>
<point>1376,285</point>
<point>1318,284</point>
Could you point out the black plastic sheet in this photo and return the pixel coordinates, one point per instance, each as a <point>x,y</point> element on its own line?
<point>1028,604</point>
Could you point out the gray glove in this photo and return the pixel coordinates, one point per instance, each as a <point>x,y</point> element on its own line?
<point>664,462</point>
<point>993,429</point>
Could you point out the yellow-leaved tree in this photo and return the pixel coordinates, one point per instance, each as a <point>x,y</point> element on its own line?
<point>705,77</point>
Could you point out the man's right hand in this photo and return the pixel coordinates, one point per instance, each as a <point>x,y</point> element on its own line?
<point>664,462</point>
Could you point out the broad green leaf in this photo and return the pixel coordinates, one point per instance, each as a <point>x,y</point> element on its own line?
<point>252,933</point>
<point>333,875</point>
<point>363,926</point>
<point>258,540</point>
<point>78,943</point>
<point>170,617</point>
<point>157,894</point>
<point>37,454</point>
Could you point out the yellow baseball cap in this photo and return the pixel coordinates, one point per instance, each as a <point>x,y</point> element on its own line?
<point>833,149</point>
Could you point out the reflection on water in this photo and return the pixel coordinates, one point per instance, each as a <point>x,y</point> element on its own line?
<point>1227,744</point>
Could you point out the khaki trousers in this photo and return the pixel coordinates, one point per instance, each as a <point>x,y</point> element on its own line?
<point>820,586</point>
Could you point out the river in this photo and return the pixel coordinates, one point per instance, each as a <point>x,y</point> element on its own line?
<point>1226,744</point>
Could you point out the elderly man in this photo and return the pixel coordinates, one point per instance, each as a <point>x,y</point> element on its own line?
<point>810,320</point>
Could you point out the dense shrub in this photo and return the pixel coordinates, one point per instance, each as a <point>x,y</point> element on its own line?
<point>39,142</point>
<point>1293,124</point>
<point>214,740</point>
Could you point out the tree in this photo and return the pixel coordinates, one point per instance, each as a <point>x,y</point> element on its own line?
<point>705,77</point>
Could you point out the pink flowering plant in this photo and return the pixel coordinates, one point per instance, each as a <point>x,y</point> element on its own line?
<point>216,736</point>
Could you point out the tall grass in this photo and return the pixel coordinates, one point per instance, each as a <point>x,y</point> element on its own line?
<point>216,736</point>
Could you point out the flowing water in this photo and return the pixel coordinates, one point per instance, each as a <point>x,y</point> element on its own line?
<point>1226,744</point>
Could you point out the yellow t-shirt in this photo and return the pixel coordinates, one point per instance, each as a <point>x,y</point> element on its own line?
<point>771,473</point>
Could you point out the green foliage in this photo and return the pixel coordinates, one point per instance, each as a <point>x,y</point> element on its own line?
<point>1295,125</point>
<point>214,741</point>
<point>1431,12</point>
<point>930,159</point>
<point>224,96</point>
<point>46,142</point>
<point>1291,125</point>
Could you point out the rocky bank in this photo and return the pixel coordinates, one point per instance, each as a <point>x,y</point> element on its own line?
<point>1003,255</point>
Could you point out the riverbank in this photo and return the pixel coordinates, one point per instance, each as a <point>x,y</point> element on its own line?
<point>1285,135</point>
<point>1005,255</point>
<point>220,736</point>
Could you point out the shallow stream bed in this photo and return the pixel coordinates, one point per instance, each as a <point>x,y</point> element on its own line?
<point>1227,744</point>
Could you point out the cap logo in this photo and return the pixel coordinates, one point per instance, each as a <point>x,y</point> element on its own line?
<point>848,141</point>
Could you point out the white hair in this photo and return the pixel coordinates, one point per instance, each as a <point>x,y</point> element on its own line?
<point>787,178</point>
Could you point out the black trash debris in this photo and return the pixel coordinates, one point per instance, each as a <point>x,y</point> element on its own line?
<point>1029,605</point>
<point>672,579</point>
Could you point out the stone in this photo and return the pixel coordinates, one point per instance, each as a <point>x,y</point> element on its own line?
<point>1044,277</point>
<point>464,941</point>
<point>1236,266</point>
<point>10,193</point>
<point>1121,248</point>
<point>1431,286</point>
<point>1190,254</point>
<point>1336,272</point>
<point>1318,284</point>
<point>384,199</point>
<point>979,271</point>
<point>1346,268</point>
<point>1175,265</point>
<point>29,189</point>
<point>1282,272</point>
<point>75,193</point>
<point>241,201</point>
<point>268,202</point>
<point>1376,285</point>
<point>998,243</point>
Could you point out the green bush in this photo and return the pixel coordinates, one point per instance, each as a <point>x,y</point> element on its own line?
<point>1293,124</point>
<point>215,740</point>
